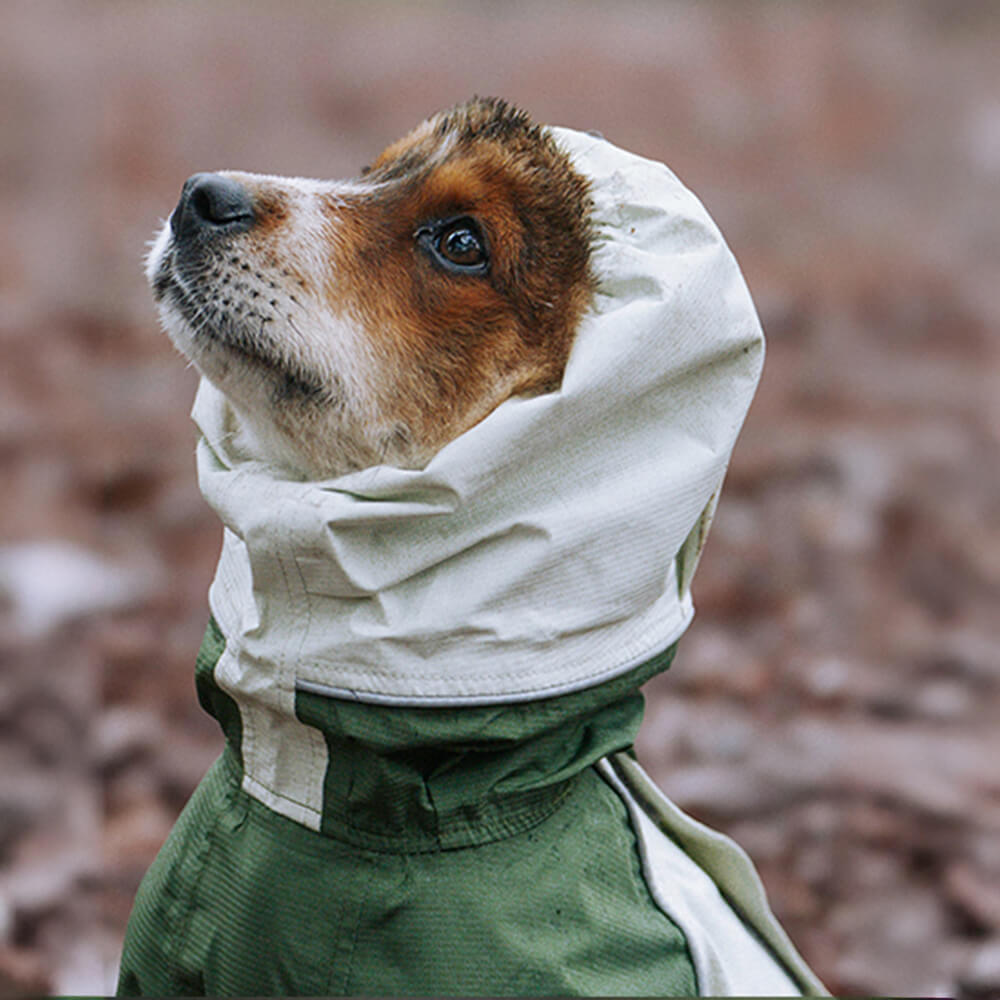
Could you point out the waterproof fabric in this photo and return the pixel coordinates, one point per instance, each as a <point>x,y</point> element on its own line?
<point>460,853</point>
<point>707,884</point>
<point>242,901</point>
<point>426,678</point>
<point>548,548</point>
<point>493,851</point>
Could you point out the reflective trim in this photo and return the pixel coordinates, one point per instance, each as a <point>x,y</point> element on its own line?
<point>708,886</point>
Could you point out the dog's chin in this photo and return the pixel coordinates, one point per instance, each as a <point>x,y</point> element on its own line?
<point>311,446</point>
<point>289,420</point>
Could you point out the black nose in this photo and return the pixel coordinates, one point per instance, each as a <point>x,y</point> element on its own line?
<point>212,203</point>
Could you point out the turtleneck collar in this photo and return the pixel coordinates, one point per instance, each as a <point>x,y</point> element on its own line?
<point>409,780</point>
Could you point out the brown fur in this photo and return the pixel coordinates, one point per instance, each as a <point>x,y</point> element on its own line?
<point>449,347</point>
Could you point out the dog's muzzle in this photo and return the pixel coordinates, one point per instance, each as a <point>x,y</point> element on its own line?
<point>211,205</point>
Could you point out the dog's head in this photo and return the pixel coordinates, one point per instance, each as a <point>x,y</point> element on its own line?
<point>374,320</point>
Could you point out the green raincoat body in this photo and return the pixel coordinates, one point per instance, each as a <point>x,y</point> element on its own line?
<point>483,852</point>
<point>429,679</point>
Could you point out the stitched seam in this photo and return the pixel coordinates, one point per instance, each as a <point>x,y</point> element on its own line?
<point>208,843</point>
<point>382,844</point>
<point>349,959</point>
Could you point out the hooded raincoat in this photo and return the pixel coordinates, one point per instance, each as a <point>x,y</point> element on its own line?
<point>429,679</point>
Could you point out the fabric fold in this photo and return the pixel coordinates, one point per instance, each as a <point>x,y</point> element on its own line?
<point>551,546</point>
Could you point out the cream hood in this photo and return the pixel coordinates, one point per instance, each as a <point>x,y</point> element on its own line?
<point>548,548</point>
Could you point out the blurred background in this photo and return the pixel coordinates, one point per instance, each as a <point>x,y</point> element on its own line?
<point>834,706</point>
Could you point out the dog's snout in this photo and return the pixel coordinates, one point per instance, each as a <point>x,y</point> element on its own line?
<point>212,203</point>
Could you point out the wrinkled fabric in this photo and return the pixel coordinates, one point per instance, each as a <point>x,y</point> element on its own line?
<point>427,678</point>
<point>499,850</point>
<point>459,853</point>
<point>243,902</point>
<point>708,886</point>
<point>548,548</point>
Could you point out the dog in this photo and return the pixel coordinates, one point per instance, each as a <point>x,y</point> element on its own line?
<point>374,320</point>
<point>464,418</point>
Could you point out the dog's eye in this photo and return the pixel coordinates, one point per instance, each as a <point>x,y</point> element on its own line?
<point>462,245</point>
<point>457,245</point>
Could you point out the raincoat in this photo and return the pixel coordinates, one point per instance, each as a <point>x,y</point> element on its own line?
<point>429,679</point>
